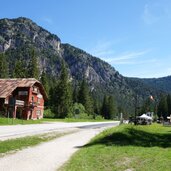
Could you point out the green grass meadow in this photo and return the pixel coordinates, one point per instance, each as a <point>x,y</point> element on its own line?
<point>125,148</point>
<point>11,121</point>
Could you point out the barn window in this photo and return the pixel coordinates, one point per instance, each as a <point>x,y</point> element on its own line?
<point>38,112</point>
<point>38,100</point>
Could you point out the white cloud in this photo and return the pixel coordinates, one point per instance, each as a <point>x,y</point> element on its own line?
<point>130,55</point>
<point>148,17</point>
<point>48,20</point>
<point>127,58</point>
<point>136,62</point>
<point>104,48</point>
<point>105,51</point>
<point>155,12</point>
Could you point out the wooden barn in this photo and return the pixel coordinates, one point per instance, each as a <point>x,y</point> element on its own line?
<point>22,98</point>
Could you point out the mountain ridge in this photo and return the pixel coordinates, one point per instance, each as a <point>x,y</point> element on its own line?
<point>18,36</point>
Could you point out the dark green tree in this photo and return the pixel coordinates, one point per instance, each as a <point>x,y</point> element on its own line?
<point>75,95</point>
<point>162,107</point>
<point>105,107</point>
<point>169,104</point>
<point>112,108</point>
<point>44,81</point>
<point>3,66</point>
<point>33,70</point>
<point>52,98</point>
<point>85,98</point>
<point>109,107</point>
<point>63,92</point>
<point>148,106</point>
<point>97,107</point>
<point>19,70</point>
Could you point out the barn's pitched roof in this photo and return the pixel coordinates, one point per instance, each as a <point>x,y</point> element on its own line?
<point>7,86</point>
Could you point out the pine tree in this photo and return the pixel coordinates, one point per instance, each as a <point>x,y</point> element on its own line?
<point>104,110</point>
<point>169,104</point>
<point>96,107</point>
<point>162,107</point>
<point>112,109</point>
<point>75,95</point>
<point>19,70</point>
<point>109,108</point>
<point>44,81</point>
<point>148,106</point>
<point>63,92</point>
<point>3,66</point>
<point>84,97</point>
<point>33,71</point>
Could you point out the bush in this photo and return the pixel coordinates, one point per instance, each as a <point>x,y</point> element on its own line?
<point>48,113</point>
<point>84,116</point>
<point>78,108</point>
<point>99,117</point>
<point>79,112</point>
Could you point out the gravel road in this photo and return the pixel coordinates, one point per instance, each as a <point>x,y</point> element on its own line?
<point>51,155</point>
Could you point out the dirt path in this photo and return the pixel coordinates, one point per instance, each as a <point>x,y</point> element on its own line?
<point>48,156</point>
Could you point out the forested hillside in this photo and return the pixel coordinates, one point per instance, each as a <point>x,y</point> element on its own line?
<point>163,83</point>
<point>28,50</point>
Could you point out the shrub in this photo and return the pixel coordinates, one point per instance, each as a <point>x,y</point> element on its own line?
<point>48,113</point>
<point>77,109</point>
<point>79,112</point>
<point>99,117</point>
<point>84,116</point>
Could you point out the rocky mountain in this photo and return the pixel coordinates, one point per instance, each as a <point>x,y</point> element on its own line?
<point>18,36</point>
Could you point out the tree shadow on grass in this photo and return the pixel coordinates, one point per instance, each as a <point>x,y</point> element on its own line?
<point>135,137</point>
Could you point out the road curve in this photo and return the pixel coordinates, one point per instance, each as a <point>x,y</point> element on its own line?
<point>52,155</point>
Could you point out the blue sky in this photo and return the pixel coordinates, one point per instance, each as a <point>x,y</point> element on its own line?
<point>134,36</point>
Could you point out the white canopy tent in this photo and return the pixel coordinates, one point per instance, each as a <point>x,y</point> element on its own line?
<point>144,116</point>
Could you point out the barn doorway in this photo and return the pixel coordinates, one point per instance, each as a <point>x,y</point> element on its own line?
<point>19,113</point>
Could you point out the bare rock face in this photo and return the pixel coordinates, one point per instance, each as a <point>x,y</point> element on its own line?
<point>55,44</point>
<point>16,32</point>
<point>91,75</point>
<point>7,45</point>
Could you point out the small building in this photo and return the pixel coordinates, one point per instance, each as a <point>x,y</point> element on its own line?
<point>144,119</point>
<point>22,98</point>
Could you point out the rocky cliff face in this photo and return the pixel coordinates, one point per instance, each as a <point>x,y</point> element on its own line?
<point>17,36</point>
<point>16,32</point>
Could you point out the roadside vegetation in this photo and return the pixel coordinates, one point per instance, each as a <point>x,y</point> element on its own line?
<point>10,121</point>
<point>13,145</point>
<point>126,147</point>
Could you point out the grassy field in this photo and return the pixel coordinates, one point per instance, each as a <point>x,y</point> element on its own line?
<point>126,148</point>
<point>20,143</point>
<point>10,121</point>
